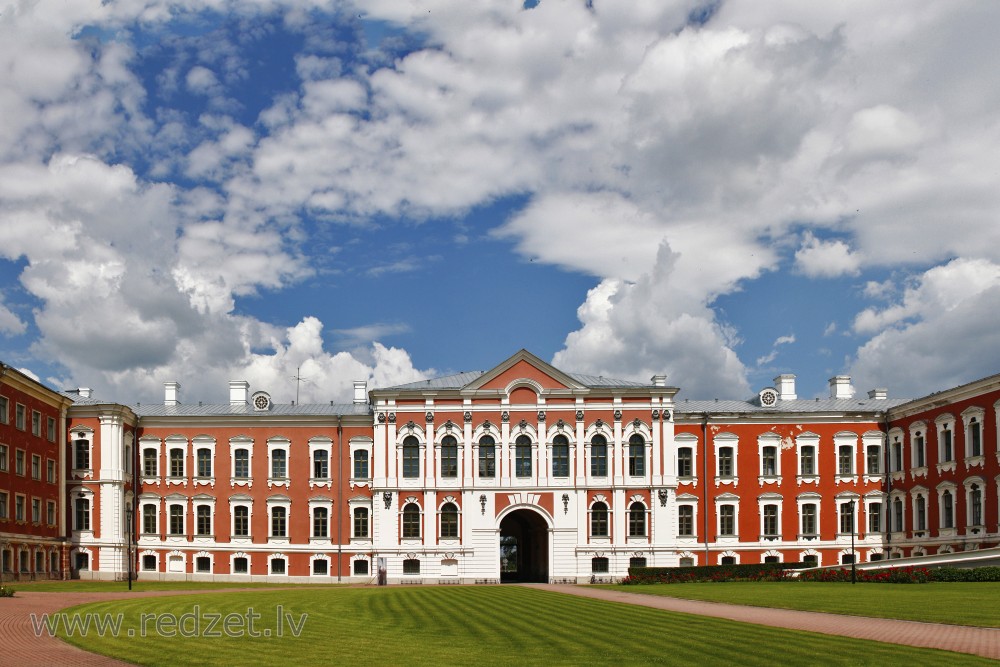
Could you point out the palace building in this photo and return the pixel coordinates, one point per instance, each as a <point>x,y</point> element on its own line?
<point>524,472</point>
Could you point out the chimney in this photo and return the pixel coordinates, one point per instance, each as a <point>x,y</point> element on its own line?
<point>84,392</point>
<point>171,393</point>
<point>878,394</point>
<point>238,392</point>
<point>360,392</point>
<point>659,380</point>
<point>840,387</point>
<point>785,384</point>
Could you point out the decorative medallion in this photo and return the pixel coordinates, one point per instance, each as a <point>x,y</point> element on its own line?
<point>261,401</point>
<point>768,397</point>
<point>468,417</point>
<point>618,415</point>
<point>656,414</point>
<point>410,426</point>
<point>579,415</point>
<point>523,424</point>
<point>429,417</point>
<point>505,417</point>
<point>392,417</point>
<point>599,423</point>
<point>637,423</point>
<point>448,425</point>
<point>541,415</point>
<point>487,425</point>
<point>381,418</point>
<point>387,498</point>
<point>662,494</point>
<point>560,424</point>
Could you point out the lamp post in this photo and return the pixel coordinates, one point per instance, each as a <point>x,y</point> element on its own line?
<point>128,538</point>
<point>854,555</point>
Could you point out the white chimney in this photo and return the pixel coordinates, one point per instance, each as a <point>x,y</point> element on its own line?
<point>659,380</point>
<point>840,387</point>
<point>878,394</point>
<point>239,390</point>
<point>171,393</point>
<point>84,392</point>
<point>785,384</point>
<point>360,392</point>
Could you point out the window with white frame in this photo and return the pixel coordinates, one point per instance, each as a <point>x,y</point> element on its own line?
<point>769,505</point>
<point>809,504</point>
<point>203,462</point>
<point>448,521</point>
<point>636,455</point>
<point>975,506</point>
<point>846,515</point>
<point>278,454</point>
<point>598,456</point>
<point>240,563</point>
<point>769,452</point>
<point>685,520</point>
<point>279,511</point>
<point>896,451</point>
<point>919,509</point>
<point>240,512</point>
<point>4,454</point>
<point>523,456</point>
<point>81,454</point>
<point>448,450</point>
<point>150,459</point>
<point>320,464</point>
<point>36,423</point>
<point>361,523</point>
<point>410,524</point>
<point>873,458</point>
<point>687,456</point>
<point>4,410</point>
<point>175,459</point>
<point>918,445</point>
<point>360,463</point>
<point>411,457</point>
<point>599,520</point>
<point>946,441</point>
<point>278,565</point>
<point>726,458</point>
<point>19,418</point>
<point>320,522</point>
<point>636,519</point>
<point>844,447</point>
<point>81,513</point>
<point>560,456</point>
<point>50,429</point>
<point>897,514</point>
<point>241,461</point>
<point>150,517</point>
<point>873,508</point>
<point>972,419</point>
<point>487,457</point>
<point>175,518</point>
<point>946,508</point>
<point>361,459</point>
<point>203,520</point>
<point>727,510</point>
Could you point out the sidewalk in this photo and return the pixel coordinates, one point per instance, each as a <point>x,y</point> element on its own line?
<point>962,639</point>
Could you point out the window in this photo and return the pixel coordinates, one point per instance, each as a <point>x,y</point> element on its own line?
<point>241,464</point>
<point>685,462</point>
<point>203,564</point>
<point>947,448</point>
<point>361,522</point>
<point>599,565</point>
<point>411,566</point>
<point>279,464</point>
<point>3,458</point>
<point>4,407</point>
<point>19,416</point>
<point>241,521</point>
<point>599,520</point>
<point>685,520</point>
<point>807,460</point>
<point>636,456</point>
<point>897,515</point>
<point>449,521</point>
<point>19,461</point>
<point>36,423</point>
<point>176,519</point>
<point>176,462</point>
<point>50,429</point>
<point>599,456</point>
<point>725,461</point>
<point>320,566</point>
<point>975,505</point>
<point>487,457</point>
<point>947,510</point>
<point>845,460</point>
<point>81,454</point>
<point>279,522</point>
<point>19,509</point>
<point>50,471</point>
<point>810,560</point>
<point>522,456</point>
<point>560,456</point>
<point>240,565</point>
<point>81,514</point>
<point>636,520</point>
<point>36,466</point>
<point>770,520</point>
<point>920,518</point>
<point>449,457</point>
<point>321,521</point>
<point>36,510</point>
<point>360,567</point>
<point>636,561</point>
<point>3,505</point>
<point>847,517</point>
<point>411,458</point>
<point>725,560</point>
<point>149,519</point>
<point>203,520</point>
<point>204,456</point>
<point>149,456</point>
<point>278,565</point>
<point>361,464</point>
<point>975,438</point>
<point>809,524</point>
<point>875,517</point>
<point>919,450</point>
<point>874,458</point>
<point>82,561</point>
<point>411,522</point>
<point>149,562</point>
<point>50,508</point>
<point>727,520</point>
<point>321,464</point>
<point>769,461</point>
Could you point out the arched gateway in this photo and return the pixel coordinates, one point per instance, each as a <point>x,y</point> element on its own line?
<point>524,547</point>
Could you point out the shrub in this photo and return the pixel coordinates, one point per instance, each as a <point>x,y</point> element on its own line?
<point>6,592</point>
<point>676,575</point>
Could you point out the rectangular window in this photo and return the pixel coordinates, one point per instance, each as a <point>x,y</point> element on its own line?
<point>361,523</point>
<point>36,423</point>
<point>449,458</point>
<point>975,434</point>
<point>770,520</point>
<point>599,460</point>
<point>176,519</point>
<point>560,460</point>
<point>81,514</point>
<point>685,462</point>
<point>522,460</point>
<point>487,461</point>
<point>149,462</point>
<point>321,464</point>
<point>846,518</point>
<point>636,561</point>
<point>176,462</point>
<point>19,461</point>
<point>241,521</point>
<point>360,567</point>
<point>920,450</point>
<point>149,519</point>
<point>203,520</point>
<point>411,566</point>
<point>874,460</point>
<point>36,467</point>
<point>636,456</point>
<point>3,505</point>
<point>36,510</point>
<point>411,458</point>
<point>921,512</point>
<point>50,471</point>
<point>361,464</point>
<point>279,464</point>
<point>149,562</point>
<point>18,508</point>
<point>279,522</point>
<point>241,565</point>
<point>727,520</point>
<point>241,464</point>
<point>769,464</point>
<point>19,417</point>
<point>4,407</point>
<point>725,461</point>
<point>204,457</point>
<point>203,564</point>
<point>875,518</point>
<point>685,520</point>
<point>3,458</point>
<point>50,429</point>
<point>845,460</point>
<point>50,513</point>
<point>897,456</point>
<point>947,450</point>
<point>809,519</point>
<point>321,521</point>
<point>599,565</point>
<point>808,460</point>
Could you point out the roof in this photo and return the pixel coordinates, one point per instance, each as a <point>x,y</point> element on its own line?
<point>225,409</point>
<point>460,380</point>
<point>784,406</point>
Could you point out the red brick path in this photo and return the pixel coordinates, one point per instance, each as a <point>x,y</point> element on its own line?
<point>960,638</point>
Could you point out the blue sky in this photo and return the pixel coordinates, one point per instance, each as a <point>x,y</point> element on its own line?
<point>718,191</point>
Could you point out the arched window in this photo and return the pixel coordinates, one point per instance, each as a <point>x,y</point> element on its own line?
<point>897,514</point>
<point>411,521</point>
<point>636,455</point>
<point>636,520</point>
<point>411,457</point>
<point>487,457</point>
<point>599,456</point>
<point>449,456</point>
<point>599,520</point>
<point>947,510</point>
<point>449,521</point>
<point>82,514</point>
<point>976,503</point>
<point>921,518</point>
<point>560,456</point>
<point>522,456</point>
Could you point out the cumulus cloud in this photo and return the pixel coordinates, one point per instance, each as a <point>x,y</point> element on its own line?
<point>819,258</point>
<point>10,324</point>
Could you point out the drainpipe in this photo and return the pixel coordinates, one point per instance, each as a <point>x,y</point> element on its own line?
<point>340,494</point>
<point>704,484</point>
<point>888,485</point>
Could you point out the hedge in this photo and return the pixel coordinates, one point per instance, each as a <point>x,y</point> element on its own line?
<point>779,572</point>
<point>746,572</point>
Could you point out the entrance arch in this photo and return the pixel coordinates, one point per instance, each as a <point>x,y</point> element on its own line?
<point>524,547</point>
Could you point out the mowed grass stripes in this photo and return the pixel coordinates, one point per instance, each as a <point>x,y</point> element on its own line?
<point>482,625</point>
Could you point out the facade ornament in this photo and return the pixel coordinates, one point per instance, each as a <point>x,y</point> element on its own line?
<point>637,423</point>
<point>482,503</point>
<point>618,415</point>
<point>387,498</point>
<point>666,415</point>
<point>429,417</point>
<point>599,423</point>
<point>565,499</point>
<point>656,415</point>
<point>392,417</point>
<point>487,425</point>
<point>505,416</point>
<point>381,418</point>
<point>468,417</point>
<point>541,415</point>
<point>523,424</point>
<point>579,415</point>
<point>560,424</point>
<point>662,495</point>
<point>410,426</point>
<point>448,425</point>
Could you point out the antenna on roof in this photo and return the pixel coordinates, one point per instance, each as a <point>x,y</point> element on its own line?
<point>298,380</point>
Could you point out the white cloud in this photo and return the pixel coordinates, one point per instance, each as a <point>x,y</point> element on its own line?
<point>773,354</point>
<point>10,324</point>
<point>817,258</point>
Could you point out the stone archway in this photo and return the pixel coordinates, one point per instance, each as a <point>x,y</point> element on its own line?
<point>524,547</point>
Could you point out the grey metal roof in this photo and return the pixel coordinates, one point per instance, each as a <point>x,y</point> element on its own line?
<point>784,406</point>
<point>459,380</point>
<point>224,409</point>
<point>601,381</point>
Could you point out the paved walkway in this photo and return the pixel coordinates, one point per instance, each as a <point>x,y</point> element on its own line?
<point>963,639</point>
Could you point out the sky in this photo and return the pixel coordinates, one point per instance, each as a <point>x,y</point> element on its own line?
<point>304,194</point>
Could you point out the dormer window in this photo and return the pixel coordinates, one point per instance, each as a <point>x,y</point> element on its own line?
<point>261,401</point>
<point>768,397</point>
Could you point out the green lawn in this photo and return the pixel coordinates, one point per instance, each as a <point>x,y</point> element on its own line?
<point>481,625</point>
<point>138,586</point>
<point>938,602</point>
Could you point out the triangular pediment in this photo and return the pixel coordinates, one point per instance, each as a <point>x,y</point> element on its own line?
<point>524,366</point>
